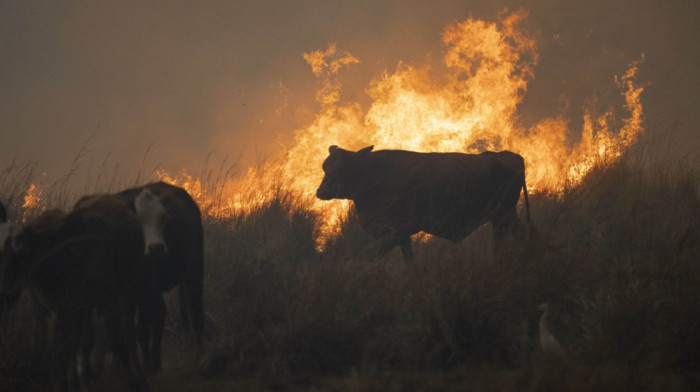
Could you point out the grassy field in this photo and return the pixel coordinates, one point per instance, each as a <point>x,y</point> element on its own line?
<point>616,257</point>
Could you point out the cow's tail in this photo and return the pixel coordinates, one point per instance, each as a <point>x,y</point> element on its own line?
<point>527,209</point>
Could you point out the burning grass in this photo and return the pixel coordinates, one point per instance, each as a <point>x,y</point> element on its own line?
<point>615,256</point>
<point>467,104</point>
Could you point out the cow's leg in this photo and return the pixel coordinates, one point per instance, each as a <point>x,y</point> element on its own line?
<point>406,249</point>
<point>183,298</point>
<point>99,346</point>
<point>137,378</point>
<point>62,341</point>
<point>505,223</point>
<point>42,316</point>
<point>120,321</point>
<point>157,326</point>
<point>146,312</point>
<point>86,332</point>
<point>389,241</point>
<point>150,329</point>
<point>386,244</point>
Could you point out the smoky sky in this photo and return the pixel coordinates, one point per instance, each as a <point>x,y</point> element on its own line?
<point>168,83</point>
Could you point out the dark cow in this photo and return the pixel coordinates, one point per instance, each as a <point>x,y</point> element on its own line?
<point>399,193</point>
<point>81,264</point>
<point>180,264</point>
<point>8,231</point>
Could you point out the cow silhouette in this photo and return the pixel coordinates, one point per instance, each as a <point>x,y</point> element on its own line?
<point>179,264</point>
<point>87,262</point>
<point>398,193</point>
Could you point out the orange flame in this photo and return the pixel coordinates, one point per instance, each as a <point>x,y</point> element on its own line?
<point>488,67</point>
<point>325,65</point>
<point>32,202</point>
<point>228,198</point>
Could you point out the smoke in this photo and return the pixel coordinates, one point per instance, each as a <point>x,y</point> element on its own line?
<point>175,81</point>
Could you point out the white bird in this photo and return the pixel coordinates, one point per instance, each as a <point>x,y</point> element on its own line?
<point>548,342</point>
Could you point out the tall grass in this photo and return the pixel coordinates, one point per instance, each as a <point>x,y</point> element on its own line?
<point>616,257</point>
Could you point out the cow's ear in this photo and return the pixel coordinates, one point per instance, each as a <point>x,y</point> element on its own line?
<point>332,149</point>
<point>364,151</point>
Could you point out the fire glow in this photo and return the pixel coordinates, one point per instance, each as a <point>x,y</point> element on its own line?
<point>471,108</point>
<point>32,202</point>
<point>489,65</point>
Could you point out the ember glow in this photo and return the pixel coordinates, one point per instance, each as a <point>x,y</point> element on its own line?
<point>470,105</point>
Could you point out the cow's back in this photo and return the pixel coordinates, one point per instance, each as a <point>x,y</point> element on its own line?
<point>89,257</point>
<point>444,194</point>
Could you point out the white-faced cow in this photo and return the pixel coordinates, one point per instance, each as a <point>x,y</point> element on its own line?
<point>89,261</point>
<point>399,193</point>
<point>179,263</point>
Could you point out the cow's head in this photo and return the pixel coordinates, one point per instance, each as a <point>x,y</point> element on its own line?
<point>153,216</point>
<point>343,173</point>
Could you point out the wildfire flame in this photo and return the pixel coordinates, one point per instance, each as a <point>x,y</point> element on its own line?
<point>489,65</point>
<point>32,202</point>
<point>472,108</point>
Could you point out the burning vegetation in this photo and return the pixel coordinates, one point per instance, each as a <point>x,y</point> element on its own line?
<point>615,256</point>
<point>32,202</point>
<point>470,108</point>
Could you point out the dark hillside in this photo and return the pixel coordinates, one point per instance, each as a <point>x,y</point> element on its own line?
<point>616,258</point>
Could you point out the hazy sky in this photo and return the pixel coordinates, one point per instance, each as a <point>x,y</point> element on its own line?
<point>189,78</point>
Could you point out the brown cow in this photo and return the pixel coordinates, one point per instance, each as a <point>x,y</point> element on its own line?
<point>87,262</point>
<point>399,193</point>
<point>179,264</point>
